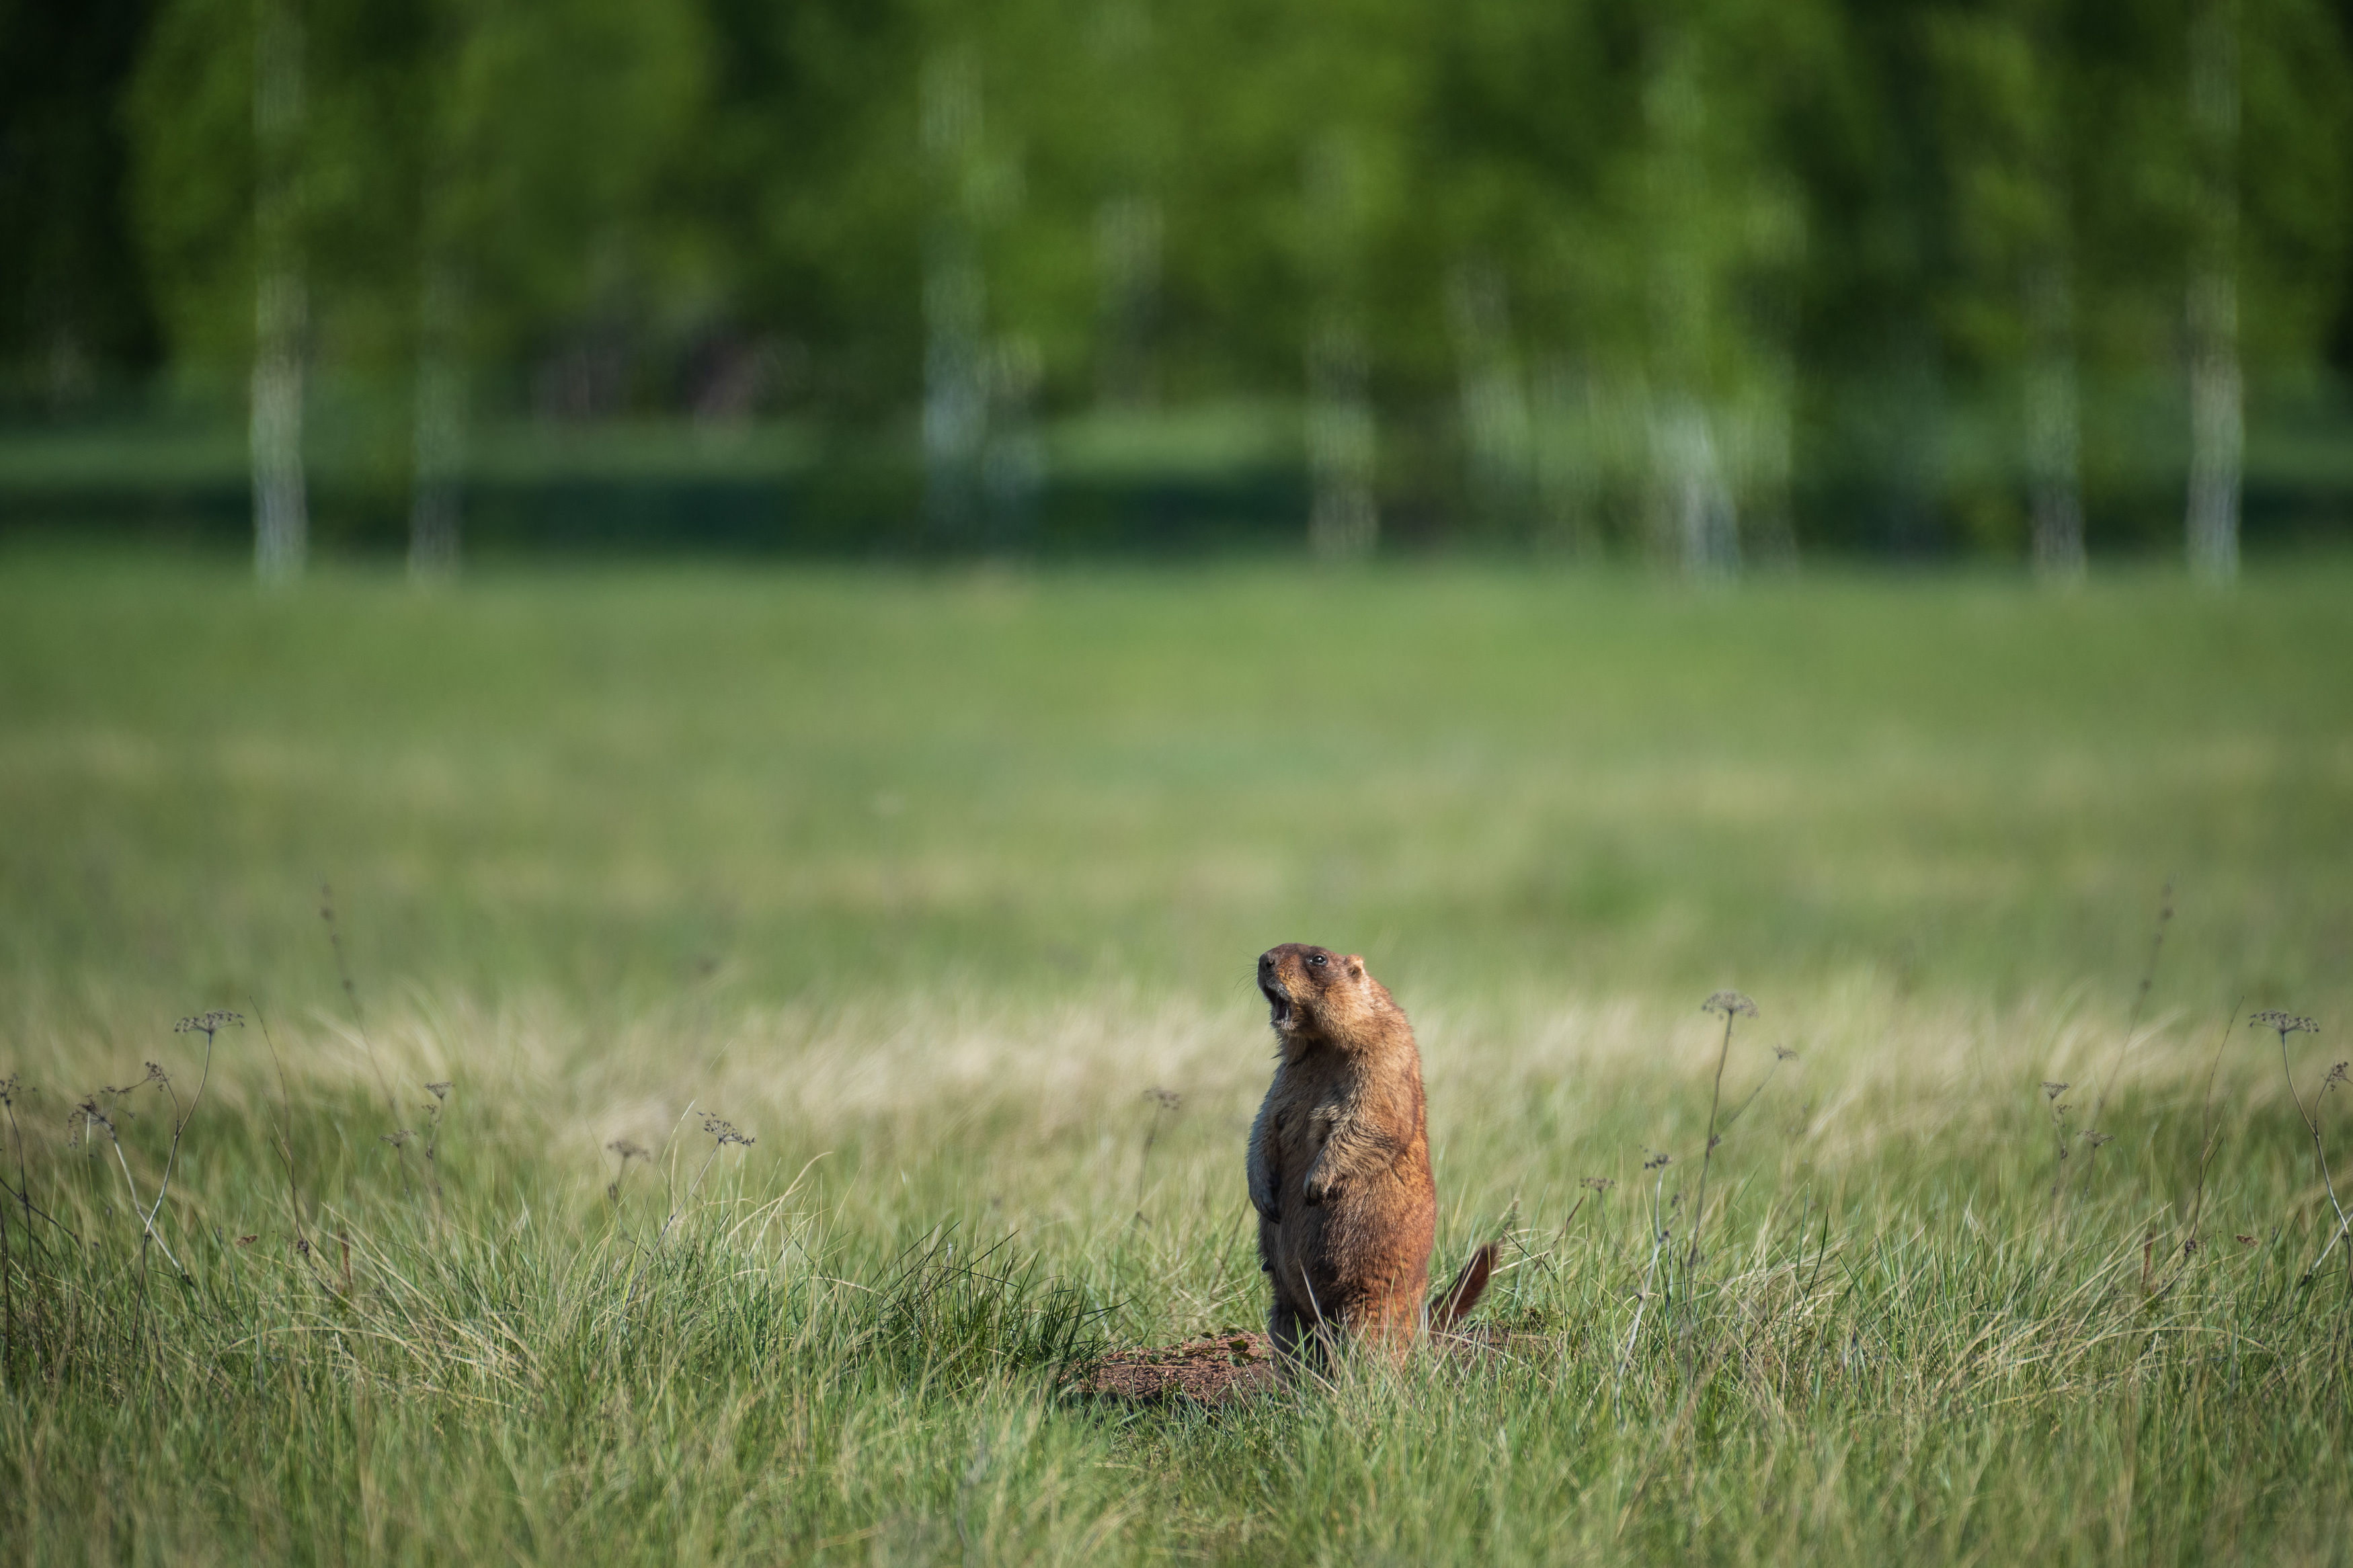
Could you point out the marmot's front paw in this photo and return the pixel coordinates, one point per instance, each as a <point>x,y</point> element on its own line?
<point>1318,1191</point>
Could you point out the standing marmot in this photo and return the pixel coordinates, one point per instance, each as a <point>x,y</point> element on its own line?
<point>1339,1161</point>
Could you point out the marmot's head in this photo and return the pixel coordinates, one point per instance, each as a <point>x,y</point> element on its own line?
<point>1314,994</point>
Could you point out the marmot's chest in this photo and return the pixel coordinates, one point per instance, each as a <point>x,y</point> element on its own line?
<point>1310,1110</point>
<point>1305,1128</point>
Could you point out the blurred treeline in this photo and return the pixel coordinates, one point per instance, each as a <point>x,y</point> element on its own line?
<point>1701,278</point>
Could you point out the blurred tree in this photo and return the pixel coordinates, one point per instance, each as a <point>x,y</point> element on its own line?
<point>1709,191</point>
<point>222,179</point>
<point>1133,140</point>
<point>410,180</point>
<point>808,189</point>
<point>2262,153</point>
<point>539,136</point>
<point>1646,272</point>
<point>281,513</point>
<point>2007,100</point>
<point>2217,413</point>
<point>1529,108</point>
<point>76,305</point>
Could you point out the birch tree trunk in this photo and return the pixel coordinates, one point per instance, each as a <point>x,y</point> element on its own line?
<point>2217,399</point>
<point>281,524</point>
<point>2054,438</point>
<point>1696,515</point>
<point>1693,518</point>
<point>955,361</point>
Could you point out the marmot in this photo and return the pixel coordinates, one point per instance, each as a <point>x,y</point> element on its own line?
<point>1339,1162</point>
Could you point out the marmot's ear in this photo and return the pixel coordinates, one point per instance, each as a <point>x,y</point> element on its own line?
<point>1355,966</point>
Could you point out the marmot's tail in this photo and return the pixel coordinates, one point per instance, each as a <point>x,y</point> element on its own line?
<point>1463,1294</point>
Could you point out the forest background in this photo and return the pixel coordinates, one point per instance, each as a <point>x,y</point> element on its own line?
<point>1704,283</point>
<point>712,1054</point>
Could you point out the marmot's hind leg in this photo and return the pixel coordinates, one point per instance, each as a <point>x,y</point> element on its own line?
<point>1292,1333</point>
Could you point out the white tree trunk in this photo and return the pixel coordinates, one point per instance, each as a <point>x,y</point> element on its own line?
<point>437,495</point>
<point>956,385</point>
<point>1694,519</point>
<point>2217,428</point>
<point>955,303</point>
<point>1694,513</point>
<point>2217,397</point>
<point>2054,431</point>
<point>281,521</point>
<point>281,517</point>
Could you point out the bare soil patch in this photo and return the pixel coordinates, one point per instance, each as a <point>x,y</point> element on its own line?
<point>1238,1364</point>
<point>1211,1371</point>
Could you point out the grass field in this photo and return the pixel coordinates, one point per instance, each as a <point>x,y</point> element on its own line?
<point>924,883</point>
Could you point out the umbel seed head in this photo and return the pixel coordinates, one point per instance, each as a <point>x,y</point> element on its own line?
<point>2283,1023</point>
<point>1731,1004</point>
<point>725,1133</point>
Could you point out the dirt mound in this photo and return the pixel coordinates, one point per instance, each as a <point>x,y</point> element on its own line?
<point>1212,1371</point>
<point>1235,1364</point>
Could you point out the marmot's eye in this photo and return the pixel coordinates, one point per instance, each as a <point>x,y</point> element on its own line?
<point>1315,958</point>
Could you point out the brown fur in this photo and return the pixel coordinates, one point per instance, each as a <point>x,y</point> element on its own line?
<point>1339,1161</point>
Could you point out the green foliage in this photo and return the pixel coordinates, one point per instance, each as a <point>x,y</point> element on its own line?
<point>529,142</point>
<point>1786,258</point>
<point>1652,184</point>
<point>74,311</point>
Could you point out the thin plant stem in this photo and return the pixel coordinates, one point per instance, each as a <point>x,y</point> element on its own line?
<point>1707,1155</point>
<point>22,1194</point>
<point>147,1220</point>
<point>2284,1026</point>
<point>179,1125</point>
<point>286,1135</point>
<point>722,1133</point>
<point>1732,1005</point>
<point>8,1294</point>
<point>1642,1300</point>
<point>2206,1139</point>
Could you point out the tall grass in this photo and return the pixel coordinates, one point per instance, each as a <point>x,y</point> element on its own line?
<point>777,973</point>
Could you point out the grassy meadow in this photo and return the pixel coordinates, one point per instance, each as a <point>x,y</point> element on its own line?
<point>921,884</point>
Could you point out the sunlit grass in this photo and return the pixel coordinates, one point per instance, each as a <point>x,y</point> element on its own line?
<point>923,884</point>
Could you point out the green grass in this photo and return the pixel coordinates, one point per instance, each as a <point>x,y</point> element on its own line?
<point>922,882</point>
